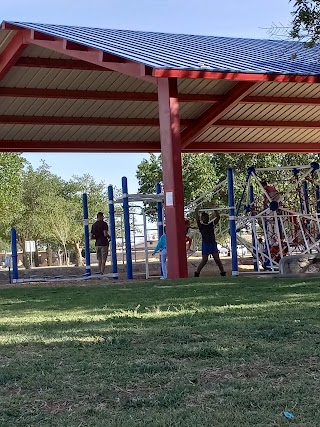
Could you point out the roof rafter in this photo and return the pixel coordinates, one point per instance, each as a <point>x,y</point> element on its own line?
<point>82,121</point>
<point>145,96</point>
<point>125,121</point>
<point>216,111</point>
<point>154,147</point>
<point>281,100</point>
<point>63,64</point>
<point>267,124</point>
<point>101,95</point>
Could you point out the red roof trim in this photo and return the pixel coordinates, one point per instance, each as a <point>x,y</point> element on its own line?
<point>248,77</point>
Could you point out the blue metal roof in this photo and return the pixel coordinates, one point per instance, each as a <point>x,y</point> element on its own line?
<point>193,52</point>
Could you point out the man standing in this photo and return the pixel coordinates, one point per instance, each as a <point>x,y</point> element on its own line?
<point>99,232</point>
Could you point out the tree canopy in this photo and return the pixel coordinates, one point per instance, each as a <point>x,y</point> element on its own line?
<point>197,171</point>
<point>11,169</point>
<point>202,172</point>
<point>45,208</point>
<point>306,21</point>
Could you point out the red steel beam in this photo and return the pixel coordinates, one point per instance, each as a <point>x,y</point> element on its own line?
<point>115,121</point>
<point>216,111</point>
<point>63,64</point>
<point>279,100</point>
<point>154,147</point>
<point>81,121</point>
<point>77,94</point>
<point>144,96</point>
<point>266,124</point>
<point>101,95</point>
<point>11,53</point>
<point>235,76</point>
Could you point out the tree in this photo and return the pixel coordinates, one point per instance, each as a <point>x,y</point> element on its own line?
<point>198,176</point>
<point>56,218</point>
<point>241,162</point>
<point>11,168</point>
<point>306,21</point>
<point>97,201</point>
<point>202,172</point>
<point>36,186</point>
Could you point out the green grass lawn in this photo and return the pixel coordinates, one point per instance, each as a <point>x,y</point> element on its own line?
<point>209,352</point>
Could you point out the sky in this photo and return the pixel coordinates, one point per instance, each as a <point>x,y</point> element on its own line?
<point>233,18</point>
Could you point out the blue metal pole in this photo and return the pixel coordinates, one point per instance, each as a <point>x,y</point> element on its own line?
<point>112,225</point>
<point>14,255</point>
<point>243,192</point>
<point>253,233</point>
<point>232,224</point>
<point>126,220</point>
<point>86,232</point>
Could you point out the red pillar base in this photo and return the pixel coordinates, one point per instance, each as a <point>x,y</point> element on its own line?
<point>172,177</point>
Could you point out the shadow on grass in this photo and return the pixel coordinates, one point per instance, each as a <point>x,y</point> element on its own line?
<point>206,292</point>
<point>197,352</point>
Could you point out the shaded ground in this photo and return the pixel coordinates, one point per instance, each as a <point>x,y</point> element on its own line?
<point>210,269</point>
<point>207,352</point>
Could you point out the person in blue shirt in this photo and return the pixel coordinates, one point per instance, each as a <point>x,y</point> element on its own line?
<point>162,248</point>
<point>209,244</point>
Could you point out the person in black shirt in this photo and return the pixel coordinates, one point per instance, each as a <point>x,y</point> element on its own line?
<point>99,232</point>
<point>209,244</point>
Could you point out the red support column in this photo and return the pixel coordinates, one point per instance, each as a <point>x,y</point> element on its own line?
<point>172,177</point>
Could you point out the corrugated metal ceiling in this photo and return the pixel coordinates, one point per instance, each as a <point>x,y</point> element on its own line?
<point>274,112</point>
<point>91,108</point>
<point>260,135</point>
<point>5,37</point>
<point>306,90</point>
<point>78,133</point>
<point>51,78</point>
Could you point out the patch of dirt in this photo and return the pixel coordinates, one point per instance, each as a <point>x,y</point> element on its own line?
<point>70,273</point>
<point>219,375</point>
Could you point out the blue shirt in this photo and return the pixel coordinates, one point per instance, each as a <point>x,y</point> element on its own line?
<point>162,244</point>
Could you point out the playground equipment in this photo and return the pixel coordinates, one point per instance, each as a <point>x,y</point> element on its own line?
<point>270,221</point>
<point>132,214</point>
<point>131,210</point>
<point>284,218</point>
